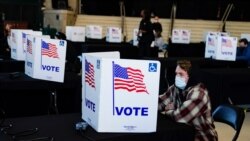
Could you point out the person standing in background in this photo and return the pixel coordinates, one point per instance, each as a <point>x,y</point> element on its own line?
<point>243,51</point>
<point>145,34</point>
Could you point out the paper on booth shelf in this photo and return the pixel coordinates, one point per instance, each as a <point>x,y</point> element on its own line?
<point>46,61</point>
<point>116,92</point>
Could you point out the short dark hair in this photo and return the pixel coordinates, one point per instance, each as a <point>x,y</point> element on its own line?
<point>185,65</point>
<point>244,40</point>
<point>147,14</point>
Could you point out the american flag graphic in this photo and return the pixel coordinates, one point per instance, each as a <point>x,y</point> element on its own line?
<point>114,31</point>
<point>29,46</point>
<point>13,37</point>
<point>96,29</point>
<point>89,74</point>
<point>184,33</point>
<point>128,79</point>
<point>49,49</point>
<point>24,37</point>
<point>176,33</point>
<point>210,41</point>
<point>226,42</point>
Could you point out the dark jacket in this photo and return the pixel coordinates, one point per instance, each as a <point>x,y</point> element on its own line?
<point>243,54</point>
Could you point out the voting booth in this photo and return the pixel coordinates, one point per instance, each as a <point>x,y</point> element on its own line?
<point>119,95</point>
<point>75,33</point>
<point>221,47</point>
<point>17,40</point>
<point>211,45</point>
<point>94,31</point>
<point>45,58</point>
<point>182,36</point>
<point>18,43</point>
<point>35,33</point>
<point>114,35</point>
<point>135,37</point>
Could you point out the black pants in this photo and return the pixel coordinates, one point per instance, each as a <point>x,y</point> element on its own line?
<point>144,49</point>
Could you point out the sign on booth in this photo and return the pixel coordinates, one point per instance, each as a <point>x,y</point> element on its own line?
<point>45,58</point>
<point>116,93</point>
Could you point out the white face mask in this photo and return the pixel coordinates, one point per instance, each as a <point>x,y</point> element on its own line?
<point>180,82</point>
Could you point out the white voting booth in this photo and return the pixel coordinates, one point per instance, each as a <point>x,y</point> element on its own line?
<point>17,40</point>
<point>45,58</point>
<point>119,95</point>
<point>221,47</point>
<point>75,33</point>
<point>211,45</point>
<point>182,36</point>
<point>34,33</point>
<point>94,31</point>
<point>114,35</point>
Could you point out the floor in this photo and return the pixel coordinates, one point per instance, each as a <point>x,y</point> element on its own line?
<point>226,133</point>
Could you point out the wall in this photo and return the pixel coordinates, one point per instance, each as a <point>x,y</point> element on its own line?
<point>197,27</point>
<point>72,3</point>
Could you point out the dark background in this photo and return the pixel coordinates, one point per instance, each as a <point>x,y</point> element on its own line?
<point>30,10</point>
<point>186,9</point>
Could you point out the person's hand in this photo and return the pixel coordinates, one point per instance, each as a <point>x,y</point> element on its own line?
<point>170,106</point>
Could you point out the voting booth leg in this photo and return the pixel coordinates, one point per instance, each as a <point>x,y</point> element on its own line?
<point>53,103</point>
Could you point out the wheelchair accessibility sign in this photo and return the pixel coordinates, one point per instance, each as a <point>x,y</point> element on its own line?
<point>152,67</point>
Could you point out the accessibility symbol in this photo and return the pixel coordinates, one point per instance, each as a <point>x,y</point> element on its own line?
<point>152,67</point>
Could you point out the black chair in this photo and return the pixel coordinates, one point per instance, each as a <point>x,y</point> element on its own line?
<point>230,115</point>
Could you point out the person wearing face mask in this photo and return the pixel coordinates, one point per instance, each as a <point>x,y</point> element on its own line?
<point>188,102</point>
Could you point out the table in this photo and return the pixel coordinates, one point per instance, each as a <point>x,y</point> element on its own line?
<point>186,50</point>
<point>127,50</point>
<point>62,128</point>
<point>10,65</point>
<point>227,83</point>
<point>25,96</point>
